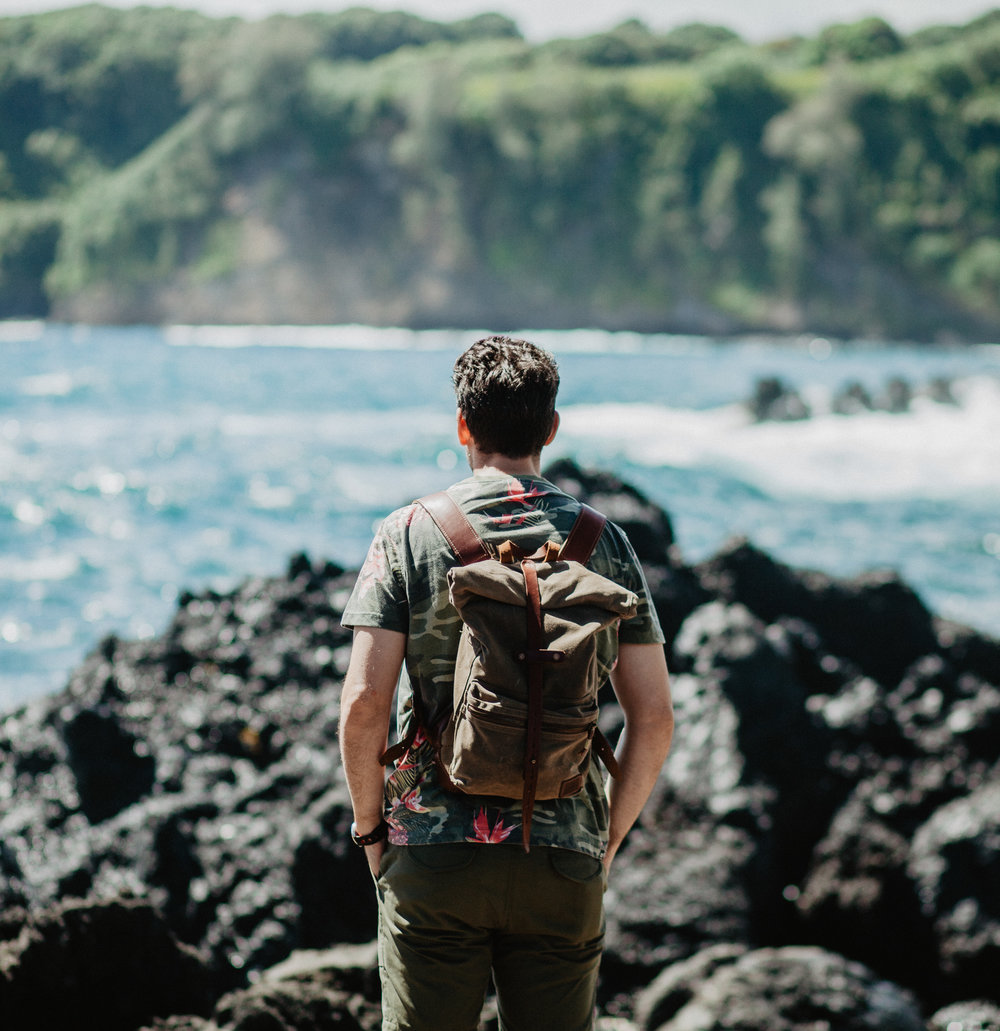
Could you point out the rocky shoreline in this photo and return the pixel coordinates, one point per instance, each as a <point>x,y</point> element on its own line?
<point>823,848</point>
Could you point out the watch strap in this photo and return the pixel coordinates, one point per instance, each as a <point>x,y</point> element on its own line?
<point>379,834</point>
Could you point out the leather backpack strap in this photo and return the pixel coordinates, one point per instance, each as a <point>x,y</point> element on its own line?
<point>453,523</point>
<point>468,547</point>
<point>578,547</point>
<point>405,743</point>
<point>533,656</point>
<point>602,746</point>
<point>583,537</point>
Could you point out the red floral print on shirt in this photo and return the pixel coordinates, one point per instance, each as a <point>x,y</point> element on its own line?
<point>489,835</point>
<point>410,800</point>
<point>517,494</point>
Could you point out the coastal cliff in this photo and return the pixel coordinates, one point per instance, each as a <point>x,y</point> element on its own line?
<point>157,166</point>
<point>821,845</point>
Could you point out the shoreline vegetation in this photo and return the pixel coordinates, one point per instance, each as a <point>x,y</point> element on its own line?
<point>160,166</point>
<point>819,851</point>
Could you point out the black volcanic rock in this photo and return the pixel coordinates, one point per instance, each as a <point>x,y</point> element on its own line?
<point>954,862</point>
<point>111,767</point>
<point>112,964</point>
<point>821,847</point>
<point>223,801</point>
<point>333,989</point>
<point>775,401</point>
<point>974,1015</point>
<point>874,620</point>
<point>787,989</point>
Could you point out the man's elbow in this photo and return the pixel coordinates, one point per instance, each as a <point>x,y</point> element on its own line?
<point>361,708</point>
<point>657,720</point>
<point>658,701</point>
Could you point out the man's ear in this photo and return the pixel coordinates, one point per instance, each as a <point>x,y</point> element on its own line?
<point>555,428</point>
<point>464,436</point>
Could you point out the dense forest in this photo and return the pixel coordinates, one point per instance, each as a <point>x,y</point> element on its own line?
<point>159,165</point>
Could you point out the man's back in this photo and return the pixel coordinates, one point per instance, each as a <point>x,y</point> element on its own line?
<point>404,587</point>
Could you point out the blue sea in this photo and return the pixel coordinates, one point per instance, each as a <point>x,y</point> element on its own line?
<point>139,462</point>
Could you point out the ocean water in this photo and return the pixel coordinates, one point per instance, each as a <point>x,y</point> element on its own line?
<point>139,462</point>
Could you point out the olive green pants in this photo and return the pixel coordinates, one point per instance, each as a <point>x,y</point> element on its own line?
<point>450,916</point>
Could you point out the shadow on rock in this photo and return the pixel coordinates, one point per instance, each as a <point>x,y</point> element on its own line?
<point>112,964</point>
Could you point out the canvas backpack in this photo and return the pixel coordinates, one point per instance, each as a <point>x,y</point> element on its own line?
<point>523,722</point>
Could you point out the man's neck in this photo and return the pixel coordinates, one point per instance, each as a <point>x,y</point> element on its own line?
<point>502,465</point>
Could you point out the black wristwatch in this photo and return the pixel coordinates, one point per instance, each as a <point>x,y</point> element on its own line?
<point>361,840</point>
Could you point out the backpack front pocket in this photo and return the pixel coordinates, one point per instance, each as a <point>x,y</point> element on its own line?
<point>484,748</point>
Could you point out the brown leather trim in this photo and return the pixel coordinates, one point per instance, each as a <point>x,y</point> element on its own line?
<point>606,753</point>
<point>533,733</point>
<point>571,786</point>
<point>396,751</point>
<point>583,538</point>
<point>509,553</point>
<point>467,545</point>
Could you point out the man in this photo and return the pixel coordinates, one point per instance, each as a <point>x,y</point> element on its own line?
<point>459,898</point>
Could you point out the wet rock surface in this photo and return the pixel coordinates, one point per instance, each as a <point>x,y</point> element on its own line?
<point>823,847</point>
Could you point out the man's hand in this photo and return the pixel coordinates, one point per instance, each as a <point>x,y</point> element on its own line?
<point>373,853</point>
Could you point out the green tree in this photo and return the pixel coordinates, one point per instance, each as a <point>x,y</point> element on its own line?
<point>867,40</point>
<point>977,274</point>
<point>819,142</point>
<point>786,235</point>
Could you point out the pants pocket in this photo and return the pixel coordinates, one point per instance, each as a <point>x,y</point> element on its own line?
<point>575,866</point>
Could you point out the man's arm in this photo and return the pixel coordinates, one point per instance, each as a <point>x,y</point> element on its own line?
<point>642,685</point>
<point>365,710</point>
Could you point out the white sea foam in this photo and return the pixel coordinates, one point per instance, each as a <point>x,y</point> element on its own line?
<point>934,450</point>
<point>394,338</point>
<point>47,384</point>
<point>599,341</point>
<point>348,337</point>
<point>19,331</point>
<point>59,566</point>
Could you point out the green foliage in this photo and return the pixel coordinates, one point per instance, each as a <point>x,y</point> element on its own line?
<point>633,43</point>
<point>866,40</point>
<point>977,272</point>
<point>28,237</point>
<point>104,77</point>
<point>252,80</point>
<point>363,35</point>
<point>689,42</point>
<point>134,225</point>
<point>620,175</point>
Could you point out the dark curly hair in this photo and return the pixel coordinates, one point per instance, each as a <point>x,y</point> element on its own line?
<point>506,389</point>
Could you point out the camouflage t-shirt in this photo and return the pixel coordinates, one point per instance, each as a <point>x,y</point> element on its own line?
<point>403,587</point>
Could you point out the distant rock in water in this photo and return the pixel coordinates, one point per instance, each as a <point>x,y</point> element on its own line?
<point>820,848</point>
<point>774,400</point>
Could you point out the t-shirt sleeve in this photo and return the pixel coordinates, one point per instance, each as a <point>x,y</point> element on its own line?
<point>379,595</point>
<point>644,627</point>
